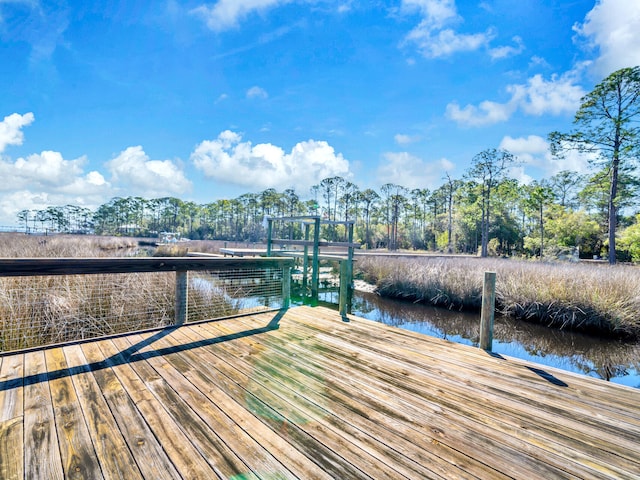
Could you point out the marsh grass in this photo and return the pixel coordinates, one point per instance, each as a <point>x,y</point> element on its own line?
<point>54,309</point>
<point>171,250</point>
<point>590,298</point>
<point>44,310</point>
<point>15,245</point>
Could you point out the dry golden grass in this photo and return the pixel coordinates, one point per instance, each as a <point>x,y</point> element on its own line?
<point>592,298</point>
<point>37,311</point>
<point>16,245</point>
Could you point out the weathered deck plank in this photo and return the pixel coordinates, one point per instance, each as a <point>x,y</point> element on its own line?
<point>305,395</point>
<point>148,453</point>
<point>11,418</point>
<point>41,452</point>
<point>179,448</point>
<point>273,396</point>
<point>78,456</point>
<point>200,418</point>
<point>114,454</point>
<point>454,430</point>
<point>355,421</point>
<point>462,401</point>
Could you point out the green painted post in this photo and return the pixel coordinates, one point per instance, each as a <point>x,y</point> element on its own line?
<point>305,260</point>
<point>316,261</point>
<point>269,229</point>
<point>344,287</point>
<point>350,250</point>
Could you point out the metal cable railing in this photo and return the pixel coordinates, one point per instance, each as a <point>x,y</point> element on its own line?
<point>50,301</point>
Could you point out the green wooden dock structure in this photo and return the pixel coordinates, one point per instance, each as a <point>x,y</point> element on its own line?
<point>304,393</point>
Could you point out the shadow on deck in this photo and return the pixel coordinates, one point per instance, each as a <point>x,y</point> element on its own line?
<point>302,394</point>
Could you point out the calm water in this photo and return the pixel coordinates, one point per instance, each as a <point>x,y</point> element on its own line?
<point>610,360</point>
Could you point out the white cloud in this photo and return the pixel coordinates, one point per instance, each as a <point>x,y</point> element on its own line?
<point>410,171</point>
<point>506,51</point>
<point>612,28</point>
<point>230,160</point>
<point>49,171</point>
<point>345,7</point>
<point>538,62</point>
<point>132,170</point>
<point>487,113</point>
<point>436,13</point>
<point>13,202</point>
<point>225,14</point>
<point>11,129</point>
<point>257,92</point>
<point>38,181</point>
<point>446,42</point>
<point>42,180</point>
<point>557,96</point>
<point>403,139</point>
<point>430,36</point>
<point>533,151</point>
<point>48,167</point>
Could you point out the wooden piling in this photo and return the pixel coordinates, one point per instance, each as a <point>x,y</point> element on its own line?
<point>488,310</point>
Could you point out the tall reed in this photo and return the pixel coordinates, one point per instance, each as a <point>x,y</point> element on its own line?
<point>16,245</point>
<point>591,298</point>
<point>42,310</point>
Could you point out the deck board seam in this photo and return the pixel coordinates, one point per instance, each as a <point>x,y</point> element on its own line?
<point>365,433</point>
<point>251,394</point>
<point>319,406</point>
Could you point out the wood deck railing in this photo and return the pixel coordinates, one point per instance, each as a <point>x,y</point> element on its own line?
<point>53,308</point>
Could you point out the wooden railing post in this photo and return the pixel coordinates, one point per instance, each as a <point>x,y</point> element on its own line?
<point>286,286</point>
<point>181,308</point>
<point>488,310</point>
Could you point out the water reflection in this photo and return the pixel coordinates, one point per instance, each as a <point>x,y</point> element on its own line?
<point>601,358</point>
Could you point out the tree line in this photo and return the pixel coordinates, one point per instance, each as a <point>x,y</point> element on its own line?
<point>486,211</point>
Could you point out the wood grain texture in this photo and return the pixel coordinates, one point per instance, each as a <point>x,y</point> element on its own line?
<point>11,418</point>
<point>81,266</point>
<point>116,460</point>
<point>41,450</point>
<point>78,456</point>
<point>303,394</point>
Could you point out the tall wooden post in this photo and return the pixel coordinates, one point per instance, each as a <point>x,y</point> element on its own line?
<point>181,306</point>
<point>286,286</point>
<point>488,310</point>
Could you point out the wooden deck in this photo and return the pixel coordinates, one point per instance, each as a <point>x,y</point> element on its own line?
<point>305,395</point>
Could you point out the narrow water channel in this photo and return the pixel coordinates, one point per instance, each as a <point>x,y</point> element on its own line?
<point>607,359</point>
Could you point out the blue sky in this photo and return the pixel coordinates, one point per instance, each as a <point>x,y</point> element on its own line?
<point>212,100</point>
